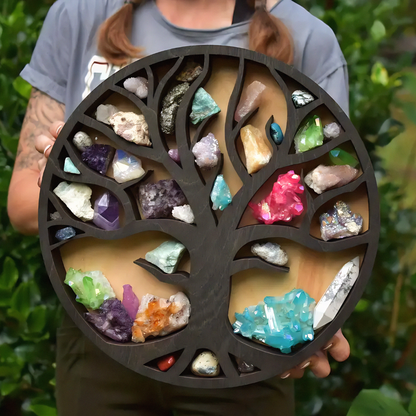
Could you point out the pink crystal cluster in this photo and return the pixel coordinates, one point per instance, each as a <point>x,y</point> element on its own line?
<point>283,203</point>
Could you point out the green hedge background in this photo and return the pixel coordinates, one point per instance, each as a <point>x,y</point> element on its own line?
<point>374,36</point>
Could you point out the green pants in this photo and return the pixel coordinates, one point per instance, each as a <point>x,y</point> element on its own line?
<point>89,383</point>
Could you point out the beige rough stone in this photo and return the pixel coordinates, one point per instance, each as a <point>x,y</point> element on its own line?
<point>131,127</point>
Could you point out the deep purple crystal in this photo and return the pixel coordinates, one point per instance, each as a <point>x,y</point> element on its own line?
<point>112,320</point>
<point>158,199</point>
<point>106,212</point>
<point>98,157</point>
<point>130,301</point>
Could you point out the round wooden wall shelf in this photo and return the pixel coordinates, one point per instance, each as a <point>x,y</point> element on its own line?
<point>218,275</point>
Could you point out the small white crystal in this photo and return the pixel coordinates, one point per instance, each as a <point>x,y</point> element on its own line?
<point>104,112</point>
<point>131,127</point>
<point>76,197</point>
<point>184,213</point>
<point>81,141</point>
<point>138,86</point>
<point>270,252</point>
<point>332,300</point>
<point>332,130</point>
<point>206,365</point>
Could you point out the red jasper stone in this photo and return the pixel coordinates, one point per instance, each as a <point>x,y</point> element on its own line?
<point>165,363</point>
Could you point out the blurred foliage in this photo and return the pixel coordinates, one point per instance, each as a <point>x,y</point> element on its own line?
<point>382,330</point>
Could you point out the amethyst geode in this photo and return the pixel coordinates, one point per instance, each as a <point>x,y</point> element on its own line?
<point>112,320</point>
<point>158,199</point>
<point>98,157</point>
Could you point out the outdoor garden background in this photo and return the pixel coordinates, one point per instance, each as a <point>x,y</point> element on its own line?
<point>378,39</point>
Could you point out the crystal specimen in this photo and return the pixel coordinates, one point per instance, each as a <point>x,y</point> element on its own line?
<point>332,300</point>
<point>207,152</point>
<point>341,157</point>
<point>76,197</point>
<point>70,167</point>
<point>166,256</point>
<point>203,106</point>
<point>206,365</point>
<point>138,86</point>
<point>309,135</point>
<point>81,141</point>
<point>55,216</point>
<point>126,167</point>
<point>256,149</point>
<point>340,222</point>
<point>220,194</point>
<point>281,322</point>
<point>174,155</point>
<point>130,301</point>
<point>184,213</point>
<point>98,157</point>
<point>131,127</point>
<point>92,288</point>
<point>301,98</point>
<point>325,177</point>
<point>106,212</point>
<point>270,252</point>
<point>190,72</point>
<point>283,203</point>
<point>332,130</point>
<point>105,111</point>
<point>157,200</point>
<point>250,99</point>
<point>112,320</point>
<point>65,234</point>
<point>158,316</point>
<point>166,362</point>
<point>244,367</point>
<point>170,107</point>
<point>276,133</point>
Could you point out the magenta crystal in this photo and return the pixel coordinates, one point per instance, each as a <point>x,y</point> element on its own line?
<point>174,155</point>
<point>130,301</point>
<point>106,212</point>
<point>98,157</point>
<point>283,203</point>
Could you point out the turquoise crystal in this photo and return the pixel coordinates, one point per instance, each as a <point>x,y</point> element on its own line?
<point>70,167</point>
<point>203,106</point>
<point>310,135</point>
<point>220,195</point>
<point>281,322</point>
<point>276,133</point>
<point>166,256</point>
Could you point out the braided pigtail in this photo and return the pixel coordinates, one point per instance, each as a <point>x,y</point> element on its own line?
<point>113,36</point>
<point>268,35</point>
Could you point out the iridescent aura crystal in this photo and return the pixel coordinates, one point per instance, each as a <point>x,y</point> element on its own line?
<point>220,195</point>
<point>310,135</point>
<point>126,167</point>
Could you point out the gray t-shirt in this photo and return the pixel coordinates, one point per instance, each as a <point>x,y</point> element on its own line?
<point>66,64</point>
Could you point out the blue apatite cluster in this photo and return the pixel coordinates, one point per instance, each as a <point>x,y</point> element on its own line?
<point>281,322</point>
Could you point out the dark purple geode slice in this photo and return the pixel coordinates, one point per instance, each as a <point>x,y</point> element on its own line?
<point>98,157</point>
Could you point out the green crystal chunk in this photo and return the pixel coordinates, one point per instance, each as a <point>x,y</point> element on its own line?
<point>310,135</point>
<point>166,256</point>
<point>341,157</point>
<point>203,106</point>
<point>70,167</point>
<point>220,195</point>
<point>281,322</point>
<point>92,288</point>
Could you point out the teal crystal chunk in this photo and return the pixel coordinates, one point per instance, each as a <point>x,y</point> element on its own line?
<point>281,322</point>
<point>166,256</point>
<point>203,106</point>
<point>220,195</point>
<point>70,167</point>
<point>276,133</point>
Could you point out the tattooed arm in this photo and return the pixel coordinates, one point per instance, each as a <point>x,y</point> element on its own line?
<point>23,198</point>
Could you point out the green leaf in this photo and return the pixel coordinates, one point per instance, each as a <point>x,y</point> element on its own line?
<point>410,111</point>
<point>8,387</point>
<point>9,275</point>
<point>22,87</point>
<point>42,410</point>
<point>37,319</point>
<point>379,74</point>
<point>362,305</point>
<point>412,406</point>
<point>378,31</point>
<point>25,296</point>
<point>390,129</point>
<point>409,83</point>
<point>370,402</point>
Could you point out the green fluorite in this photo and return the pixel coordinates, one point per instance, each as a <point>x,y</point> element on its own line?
<point>70,167</point>
<point>310,135</point>
<point>166,256</point>
<point>220,195</point>
<point>203,106</point>
<point>281,322</point>
<point>92,288</point>
<point>341,157</point>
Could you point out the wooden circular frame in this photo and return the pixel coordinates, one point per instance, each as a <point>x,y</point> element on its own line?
<point>209,327</point>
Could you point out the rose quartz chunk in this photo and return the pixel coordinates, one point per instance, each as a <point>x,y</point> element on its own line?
<point>250,99</point>
<point>283,203</point>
